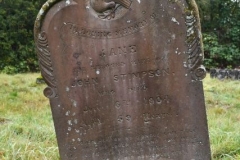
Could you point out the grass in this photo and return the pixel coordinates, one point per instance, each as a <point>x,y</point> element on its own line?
<point>26,127</point>
<point>27,132</point>
<point>223,109</point>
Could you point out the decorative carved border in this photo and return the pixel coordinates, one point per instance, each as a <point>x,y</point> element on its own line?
<point>42,47</point>
<point>194,42</point>
<point>45,64</point>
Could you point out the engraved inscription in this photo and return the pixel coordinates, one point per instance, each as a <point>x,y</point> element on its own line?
<point>141,75</point>
<point>108,66</point>
<point>138,88</point>
<point>85,82</point>
<point>158,100</point>
<point>148,118</point>
<point>103,92</point>
<point>122,118</point>
<point>119,51</point>
<point>163,144</point>
<point>122,103</point>
<point>79,32</point>
<point>147,60</point>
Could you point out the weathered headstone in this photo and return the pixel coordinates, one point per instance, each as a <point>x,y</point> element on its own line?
<point>213,73</point>
<point>238,74</point>
<point>233,74</point>
<point>222,74</point>
<point>124,78</point>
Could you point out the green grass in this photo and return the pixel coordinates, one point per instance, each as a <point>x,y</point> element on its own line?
<point>27,132</point>
<point>223,109</point>
<point>26,127</point>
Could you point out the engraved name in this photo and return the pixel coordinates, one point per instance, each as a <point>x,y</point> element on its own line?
<point>87,82</point>
<point>141,74</point>
<point>118,51</point>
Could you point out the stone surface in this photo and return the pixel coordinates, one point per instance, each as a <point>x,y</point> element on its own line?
<point>124,78</point>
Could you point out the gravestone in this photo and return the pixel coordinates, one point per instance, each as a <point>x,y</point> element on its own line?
<point>233,74</point>
<point>222,74</point>
<point>124,78</point>
<point>213,73</point>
